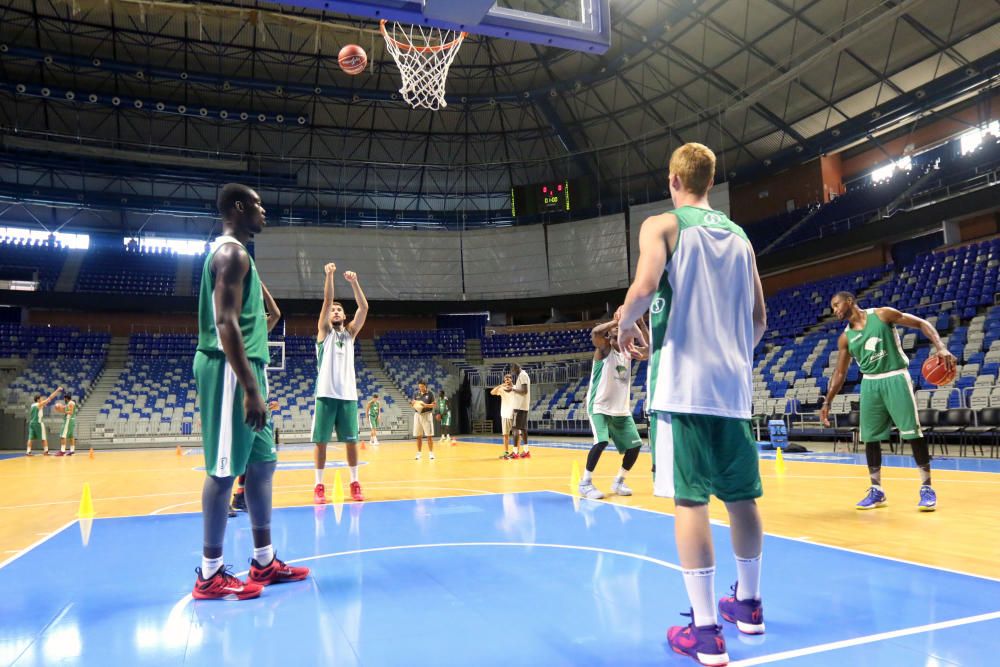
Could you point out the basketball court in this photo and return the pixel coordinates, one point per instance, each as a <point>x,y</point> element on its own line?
<point>483,118</point>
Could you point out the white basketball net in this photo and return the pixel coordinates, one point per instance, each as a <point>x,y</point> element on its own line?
<point>423,55</point>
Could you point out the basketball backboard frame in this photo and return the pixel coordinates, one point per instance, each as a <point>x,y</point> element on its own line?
<point>591,34</point>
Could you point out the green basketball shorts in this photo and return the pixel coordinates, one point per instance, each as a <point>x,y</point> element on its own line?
<point>335,414</point>
<point>68,429</point>
<point>619,430</point>
<point>228,443</point>
<point>36,431</point>
<point>697,456</point>
<point>887,399</point>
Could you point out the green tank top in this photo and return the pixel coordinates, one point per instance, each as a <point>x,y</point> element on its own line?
<point>373,410</point>
<point>253,317</point>
<point>876,347</point>
<point>33,417</point>
<point>71,411</point>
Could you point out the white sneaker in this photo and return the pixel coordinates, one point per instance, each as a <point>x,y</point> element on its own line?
<point>619,489</point>
<point>589,491</point>
<point>375,441</point>
<point>431,456</point>
<point>417,457</point>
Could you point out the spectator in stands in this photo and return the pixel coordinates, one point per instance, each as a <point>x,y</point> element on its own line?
<point>443,415</point>
<point>698,277</point>
<point>336,383</point>
<point>507,400</point>
<point>522,389</point>
<point>423,423</point>
<point>229,370</point>
<point>36,427</point>
<point>886,391</point>
<point>374,411</point>
<point>609,405</point>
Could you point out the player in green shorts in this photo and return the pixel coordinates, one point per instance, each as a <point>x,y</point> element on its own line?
<point>609,406</point>
<point>336,383</point>
<point>36,427</point>
<point>374,410</point>
<point>229,371</point>
<point>443,410</point>
<point>697,276</point>
<point>871,339</point>
<point>68,431</point>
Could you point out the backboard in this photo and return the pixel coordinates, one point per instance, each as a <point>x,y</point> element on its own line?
<point>579,25</point>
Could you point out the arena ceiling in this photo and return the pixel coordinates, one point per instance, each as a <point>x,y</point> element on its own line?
<point>256,86</point>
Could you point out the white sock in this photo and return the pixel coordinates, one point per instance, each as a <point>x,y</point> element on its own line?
<point>210,566</point>
<point>418,456</point>
<point>586,476</point>
<point>264,555</point>
<point>748,578</point>
<point>319,475</point>
<point>700,585</point>
<point>62,448</point>
<point>72,448</point>
<point>354,473</point>
<point>621,474</point>
<point>431,456</point>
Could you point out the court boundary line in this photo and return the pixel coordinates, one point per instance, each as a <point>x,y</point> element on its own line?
<point>35,544</point>
<point>867,639</point>
<point>719,522</point>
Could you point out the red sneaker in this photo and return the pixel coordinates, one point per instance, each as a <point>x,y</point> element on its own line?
<point>60,453</point>
<point>275,573</point>
<point>224,586</point>
<point>356,492</point>
<point>514,455</point>
<point>319,495</point>
<point>525,455</point>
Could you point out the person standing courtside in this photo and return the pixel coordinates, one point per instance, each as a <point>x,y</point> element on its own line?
<point>423,418</point>
<point>522,389</point>
<point>507,400</point>
<point>697,275</point>
<point>230,373</point>
<point>36,426</point>
<point>68,433</point>
<point>443,415</point>
<point>336,384</point>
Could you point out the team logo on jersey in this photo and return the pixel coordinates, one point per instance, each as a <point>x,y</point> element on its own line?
<point>620,373</point>
<point>871,345</point>
<point>658,305</point>
<point>712,219</point>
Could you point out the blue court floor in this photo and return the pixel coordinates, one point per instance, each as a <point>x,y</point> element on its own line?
<point>515,579</point>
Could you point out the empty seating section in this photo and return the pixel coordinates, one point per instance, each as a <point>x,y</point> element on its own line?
<point>405,373</point>
<point>118,269</point>
<point>765,232</point>
<point>429,343</point>
<point>22,259</point>
<point>54,356</point>
<point>155,393</point>
<point>535,344</point>
<point>792,310</point>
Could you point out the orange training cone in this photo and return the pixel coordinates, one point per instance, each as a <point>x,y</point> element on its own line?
<point>91,452</point>
<point>178,450</point>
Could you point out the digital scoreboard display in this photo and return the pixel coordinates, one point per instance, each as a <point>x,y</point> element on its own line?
<point>550,197</point>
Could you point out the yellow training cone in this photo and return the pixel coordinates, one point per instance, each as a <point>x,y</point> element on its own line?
<point>86,510</point>
<point>574,479</point>
<point>779,462</point>
<point>338,488</point>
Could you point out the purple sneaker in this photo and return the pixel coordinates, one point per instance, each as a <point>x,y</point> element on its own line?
<point>748,615</point>
<point>704,643</point>
<point>928,499</point>
<point>875,498</point>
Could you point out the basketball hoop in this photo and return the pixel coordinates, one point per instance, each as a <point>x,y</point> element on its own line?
<point>423,54</point>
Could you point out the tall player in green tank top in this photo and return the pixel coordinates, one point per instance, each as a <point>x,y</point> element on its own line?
<point>886,393</point>
<point>232,396</point>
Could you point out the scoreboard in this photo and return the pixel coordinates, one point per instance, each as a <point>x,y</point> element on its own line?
<point>549,197</point>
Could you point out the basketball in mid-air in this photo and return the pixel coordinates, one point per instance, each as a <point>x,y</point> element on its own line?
<point>352,59</point>
<point>59,407</point>
<point>935,371</point>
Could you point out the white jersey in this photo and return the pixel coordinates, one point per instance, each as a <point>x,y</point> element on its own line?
<point>608,392</point>
<point>701,320</point>
<point>523,402</point>
<point>335,357</point>
<point>507,401</point>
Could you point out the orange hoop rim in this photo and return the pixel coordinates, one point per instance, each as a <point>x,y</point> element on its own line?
<point>419,49</point>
